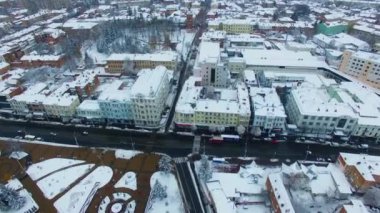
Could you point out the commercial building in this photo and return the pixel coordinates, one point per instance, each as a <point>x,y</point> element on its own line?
<point>90,111</point>
<point>115,102</point>
<point>61,106</point>
<point>117,63</point>
<point>361,170</point>
<point>209,67</point>
<point>205,107</point>
<point>149,94</point>
<point>268,111</point>
<point>363,66</point>
<point>346,108</point>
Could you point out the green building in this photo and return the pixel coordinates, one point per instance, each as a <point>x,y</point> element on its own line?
<point>332,28</point>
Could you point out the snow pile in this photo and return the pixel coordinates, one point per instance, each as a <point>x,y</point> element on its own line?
<point>127,181</point>
<point>45,167</point>
<point>126,154</point>
<point>79,197</point>
<point>59,181</point>
<point>173,201</point>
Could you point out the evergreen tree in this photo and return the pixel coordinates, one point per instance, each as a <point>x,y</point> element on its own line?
<point>159,191</point>
<point>205,172</point>
<point>10,199</point>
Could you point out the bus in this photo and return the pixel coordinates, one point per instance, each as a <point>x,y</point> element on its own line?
<point>216,140</point>
<point>230,138</point>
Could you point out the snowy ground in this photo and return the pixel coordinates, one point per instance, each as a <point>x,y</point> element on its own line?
<point>173,203</point>
<point>30,204</point>
<point>79,197</point>
<point>59,181</point>
<point>185,39</point>
<point>126,154</point>
<point>127,181</point>
<point>45,167</point>
<point>98,58</point>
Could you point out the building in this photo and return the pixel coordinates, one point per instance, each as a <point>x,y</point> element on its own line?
<point>278,195</point>
<point>332,28</point>
<point>90,110</point>
<point>118,63</point>
<point>232,25</point>
<point>29,101</point>
<point>363,66</point>
<point>61,106</point>
<point>361,170</point>
<point>4,67</point>
<point>268,111</point>
<point>321,110</point>
<point>355,206</point>
<point>205,107</point>
<point>149,94</point>
<point>32,61</point>
<point>115,102</point>
<point>209,67</point>
<point>280,60</point>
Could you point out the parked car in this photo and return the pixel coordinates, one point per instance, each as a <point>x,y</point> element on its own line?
<point>84,133</point>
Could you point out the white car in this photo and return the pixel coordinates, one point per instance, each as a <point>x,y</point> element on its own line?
<point>84,133</point>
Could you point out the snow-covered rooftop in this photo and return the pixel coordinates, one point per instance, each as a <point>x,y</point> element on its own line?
<point>159,56</point>
<point>281,58</point>
<point>355,206</point>
<point>280,193</point>
<point>266,102</point>
<point>149,81</point>
<point>367,165</point>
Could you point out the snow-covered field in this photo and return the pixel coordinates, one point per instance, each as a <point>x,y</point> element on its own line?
<point>59,181</point>
<point>79,197</point>
<point>126,154</point>
<point>173,202</point>
<point>128,180</point>
<point>45,167</point>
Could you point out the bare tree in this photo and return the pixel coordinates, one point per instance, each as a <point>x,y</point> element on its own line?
<point>372,197</point>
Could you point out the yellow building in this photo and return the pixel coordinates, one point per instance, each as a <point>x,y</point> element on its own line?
<point>117,63</point>
<point>363,66</point>
<point>232,25</point>
<point>227,108</point>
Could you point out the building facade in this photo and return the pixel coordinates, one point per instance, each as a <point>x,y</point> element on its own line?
<point>363,66</point>
<point>149,94</point>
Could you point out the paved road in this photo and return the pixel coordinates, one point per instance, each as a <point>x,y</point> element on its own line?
<point>174,145</point>
<point>193,202</point>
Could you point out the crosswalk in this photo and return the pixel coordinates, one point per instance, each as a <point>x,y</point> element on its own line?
<point>180,160</point>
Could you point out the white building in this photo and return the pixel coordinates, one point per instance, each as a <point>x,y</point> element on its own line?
<point>259,60</point>
<point>90,110</point>
<point>206,107</point>
<point>268,111</point>
<point>61,105</point>
<point>347,108</point>
<point>208,65</point>
<point>149,94</point>
<point>115,102</point>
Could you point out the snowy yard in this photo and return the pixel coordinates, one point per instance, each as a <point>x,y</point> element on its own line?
<point>173,202</point>
<point>126,154</point>
<point>128,180</point>
<point>59,181</point>
<point>45,167</point>
<point>79,197</point>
